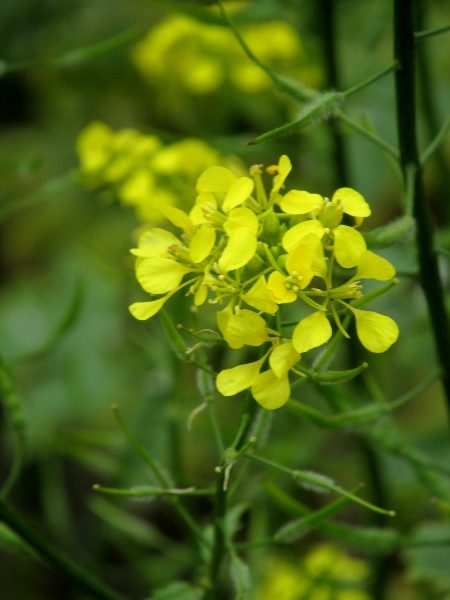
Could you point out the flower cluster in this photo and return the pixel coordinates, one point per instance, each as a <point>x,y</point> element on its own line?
<point>251,253</point>
<point>326,573</point>
<point>202,57</point>
<point>141,170</point>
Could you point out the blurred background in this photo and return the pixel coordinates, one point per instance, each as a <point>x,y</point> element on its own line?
<point>106,109</point>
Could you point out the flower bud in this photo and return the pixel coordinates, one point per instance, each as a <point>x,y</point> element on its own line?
<point>271,227</point>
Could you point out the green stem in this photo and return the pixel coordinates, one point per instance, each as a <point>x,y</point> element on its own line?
<point>220,503</point>
<point>328,18</point>
<point>367,82</point>
<point>314,481</point>
<point>160,476</point>
<point>430,115</point>
<point>64,565</point>
<point>404,50</point>
<point>420,35</point>
<point>385,146</point>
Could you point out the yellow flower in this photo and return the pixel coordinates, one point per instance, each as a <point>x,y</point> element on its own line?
<point>298,264</point>
<point>202,57</point>
<point>326,573</point>
<point>271,388</point>
<point>348,243</point>
<point>142,172</point>
<point>234,243</point>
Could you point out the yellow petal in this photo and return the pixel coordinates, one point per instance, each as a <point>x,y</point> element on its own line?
<point>259,297</point>
<point>298,263</point>
<point>351,202</point>
<point>238,193</point>
<point>376,332</point>
<point>154,242</point>
<point>223,316</point>
<point>372,266</point>
<point>160,275</point>
<point>232,381</point>
<point>349,244</point>
<point>247,328</point>
<point>279,293</point>
<point>202,243</point>
<point>295,235</point>
<point>178,217</point>
<point>311,332</point>
<point>240,249</point>
<point>284,168</point>
<point>200,295</point>
<point>270,391</point>
<point>241,217</point>
<point>283,358</point>
<point>196,214</point>
<point>215,179</point>
<point>298,202</point>
<point>145,310</point>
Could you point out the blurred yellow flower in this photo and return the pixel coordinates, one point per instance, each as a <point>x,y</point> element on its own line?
<point>202,57</point>
<point>143,172</point>
<point>326,573</point>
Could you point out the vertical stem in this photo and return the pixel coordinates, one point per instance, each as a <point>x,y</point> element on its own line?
<point>404,50</point>
<point>329,39</point>
<point>429,110</point>
<point>220,502</point>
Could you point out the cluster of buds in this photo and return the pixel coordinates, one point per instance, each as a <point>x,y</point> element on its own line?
<point>250,252</point>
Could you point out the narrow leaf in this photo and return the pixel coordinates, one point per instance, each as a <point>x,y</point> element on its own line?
<point>323,107</point>
<point>387,235</point>
<point>300,527</point>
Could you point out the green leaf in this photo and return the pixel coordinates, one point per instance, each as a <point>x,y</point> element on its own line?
<point>387,235</point>
<point>371,539</point>
<point>323,107</point>
<point>300,527</point>
<point>135,528</point>
<point>173,335</point>
<point>240,576</point>
<point>67,322</point>
<point>11,399</point>
<point>9,540</point>
<point>178,590</point>
<point>333,376</point>
<point>427,555</point>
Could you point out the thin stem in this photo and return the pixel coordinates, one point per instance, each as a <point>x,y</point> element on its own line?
<point>360,86</point>
<point>404,50</point>
<point>420,35</point>
<point>73,571</point>
<point>76,56</point>
<point>385,146</point>
<point>160,476</point>
<point>435,144</point>
<point>220,503</point>
<point>313,480</point>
